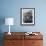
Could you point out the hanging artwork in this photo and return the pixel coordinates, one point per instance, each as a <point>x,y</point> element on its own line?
<point>27,16</point>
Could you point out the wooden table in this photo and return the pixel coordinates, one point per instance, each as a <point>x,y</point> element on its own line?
<point>20,39</point>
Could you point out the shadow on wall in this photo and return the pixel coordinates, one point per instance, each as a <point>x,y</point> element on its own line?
<point>2,21</point>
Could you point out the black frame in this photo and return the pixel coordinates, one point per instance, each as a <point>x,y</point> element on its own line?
<point>21,16</point>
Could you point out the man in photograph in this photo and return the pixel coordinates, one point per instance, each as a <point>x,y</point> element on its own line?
<point>27,17</point>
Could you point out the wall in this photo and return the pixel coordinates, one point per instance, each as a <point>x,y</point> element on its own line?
<point>11,8</point>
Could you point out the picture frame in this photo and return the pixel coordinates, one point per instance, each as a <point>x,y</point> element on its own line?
<point>27,16</point>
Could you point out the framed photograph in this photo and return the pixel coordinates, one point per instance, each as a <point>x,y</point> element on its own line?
<point>27,16</point>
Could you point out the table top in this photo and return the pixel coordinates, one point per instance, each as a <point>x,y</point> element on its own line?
<point>22,35</point>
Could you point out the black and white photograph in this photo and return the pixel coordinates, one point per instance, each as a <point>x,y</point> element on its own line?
<point>27,16</point>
